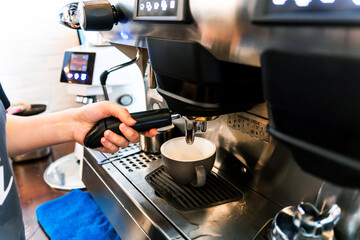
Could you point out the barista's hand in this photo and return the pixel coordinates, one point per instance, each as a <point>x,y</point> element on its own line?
<point>87,116</point>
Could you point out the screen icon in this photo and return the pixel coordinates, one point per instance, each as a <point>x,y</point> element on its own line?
<point>156,5</point>
<point>172,4</point>
<point>83,76</point>
<point>148,6</point>
<point>69,75</point>
<point>163,5</point>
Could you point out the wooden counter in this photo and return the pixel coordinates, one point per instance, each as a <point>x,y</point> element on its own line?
<point>34,191</point>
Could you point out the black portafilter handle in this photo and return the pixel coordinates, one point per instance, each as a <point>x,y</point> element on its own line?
<point>144,121</point>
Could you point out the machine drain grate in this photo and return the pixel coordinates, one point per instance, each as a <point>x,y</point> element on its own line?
<point>185,198</point>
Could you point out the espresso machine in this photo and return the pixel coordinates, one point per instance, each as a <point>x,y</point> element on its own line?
<point>272,83</point>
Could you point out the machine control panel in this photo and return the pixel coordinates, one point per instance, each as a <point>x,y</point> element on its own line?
<point>249,124</point>
<point>161,10</point>
<point>78,67</point>
<point>335,12</point>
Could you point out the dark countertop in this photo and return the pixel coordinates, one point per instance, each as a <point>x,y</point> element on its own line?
<point>34,191</point>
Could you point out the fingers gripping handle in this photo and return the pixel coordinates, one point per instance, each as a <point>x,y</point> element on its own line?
<point>144,121</point>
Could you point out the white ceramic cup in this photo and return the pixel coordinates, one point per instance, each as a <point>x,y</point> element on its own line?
<point>188,164</point>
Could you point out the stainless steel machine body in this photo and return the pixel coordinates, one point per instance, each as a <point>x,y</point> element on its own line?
<point>227,30</point>
<point>261,169</point>
<point>248,158</point>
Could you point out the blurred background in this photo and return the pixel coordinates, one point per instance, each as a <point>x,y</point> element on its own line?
<point>32,45</point>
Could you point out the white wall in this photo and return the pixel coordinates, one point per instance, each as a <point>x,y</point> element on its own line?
<point>32,44</point>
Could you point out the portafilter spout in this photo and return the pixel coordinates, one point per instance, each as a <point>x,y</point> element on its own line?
<point>194,124</point>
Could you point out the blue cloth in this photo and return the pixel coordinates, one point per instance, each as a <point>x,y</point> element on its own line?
<point>75,216</point>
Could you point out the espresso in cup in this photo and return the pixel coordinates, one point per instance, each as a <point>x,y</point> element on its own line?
<point>188,164</point>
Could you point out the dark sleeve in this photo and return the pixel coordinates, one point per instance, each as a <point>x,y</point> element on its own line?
<point>3,98</point>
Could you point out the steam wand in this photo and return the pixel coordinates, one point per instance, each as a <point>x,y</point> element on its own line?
<point>308,221</point>
<point>104,75</point>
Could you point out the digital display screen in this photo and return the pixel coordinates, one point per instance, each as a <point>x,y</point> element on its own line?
<point>79,62</point>
<point>314,6</point>
<point>78,67</point>
<point>166,8</point>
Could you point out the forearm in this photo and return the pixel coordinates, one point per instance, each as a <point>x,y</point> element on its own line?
<point>25,134</point>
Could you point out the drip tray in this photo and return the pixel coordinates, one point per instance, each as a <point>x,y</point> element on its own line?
<point>186,198</point>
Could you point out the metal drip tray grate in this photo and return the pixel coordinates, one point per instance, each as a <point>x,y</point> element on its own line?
<point>185,198</point>
<point>136,161</point>
<point>130,159</point>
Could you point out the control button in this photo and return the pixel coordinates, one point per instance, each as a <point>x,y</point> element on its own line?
<point>89,100</point>
<point>76,76</point>
<point>83,76</point>
<point>79,99</point>
<point>125,100</point>
<point>172,4</point>
<point>69,75</point>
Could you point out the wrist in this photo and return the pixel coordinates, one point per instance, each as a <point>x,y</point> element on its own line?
<point>66,123</point>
